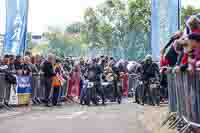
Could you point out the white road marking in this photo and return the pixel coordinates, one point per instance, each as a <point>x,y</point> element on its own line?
<point>58,117</point>
<point>72,116</point>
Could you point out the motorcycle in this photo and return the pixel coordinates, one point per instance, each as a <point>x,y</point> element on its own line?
<point>106,89</point>
<point>139,92</point>
<point>91,93</point>
<point>111,88</point>
<point>153,95</point>
<point>155,90</point>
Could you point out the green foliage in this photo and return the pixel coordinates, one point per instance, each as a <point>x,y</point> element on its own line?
<point>74,28</point>
<point>139,14</point>
<point>68,43</point>
<point>30,44</point>
<point>111,24</point>
<point>114,27</point>
<point>41,49</point>
<point>188,11</point>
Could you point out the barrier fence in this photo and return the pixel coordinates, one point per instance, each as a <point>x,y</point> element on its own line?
<point>37,86</point>
<point>4,92</point>
<point>70,89</point>
<point>184,98</point>
<point>133,83</point>
<point>172,99</point>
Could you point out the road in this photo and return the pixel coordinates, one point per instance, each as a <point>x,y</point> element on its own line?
<point>112,118</point>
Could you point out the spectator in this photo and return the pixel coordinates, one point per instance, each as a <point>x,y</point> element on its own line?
<point>38,62</point>
<point>31,68</point>
<point>9,78</point>
<point>182,61</point>
<point>194,41</point>
<point>28,53</point>
<point>169,58</point>
<point>192,53</point>
<point>18,63</point>
<point>193,25</point>
<point>11,63</point>
<point>48,75</point>
<point>6,60</point>
<point>57,81</point>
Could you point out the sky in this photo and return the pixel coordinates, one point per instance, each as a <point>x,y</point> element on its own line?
<point>56,12</point>
<point>63,12</point>
<point>60,12</point>
<point>195,3</point>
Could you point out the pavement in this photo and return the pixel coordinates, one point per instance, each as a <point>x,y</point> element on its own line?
<point>73,118</point>
<point>153,118</point>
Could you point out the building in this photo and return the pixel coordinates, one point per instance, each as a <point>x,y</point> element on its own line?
<point>38,39</point>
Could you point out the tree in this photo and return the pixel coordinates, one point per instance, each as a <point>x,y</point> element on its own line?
<point>120,26</point>
<point>62,44</point>
<point>74,28</point>
<point>30,44</point>
<point>139,14</point>
<point>116,26</point>
<point>90,27</point>
<point>104,23</point>
<point>186,12</point>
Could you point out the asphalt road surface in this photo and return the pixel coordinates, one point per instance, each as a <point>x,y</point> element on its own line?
<point>112,118</point>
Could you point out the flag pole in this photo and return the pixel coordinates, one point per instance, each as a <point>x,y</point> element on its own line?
<point>26,39</point>
<point>179,14</point>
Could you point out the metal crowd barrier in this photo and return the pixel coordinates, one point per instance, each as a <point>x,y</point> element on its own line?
<point>184,98</point>
<point>172,99</point>
<point>132,84</point>
<point>38,89</point>
<point>3,89</point>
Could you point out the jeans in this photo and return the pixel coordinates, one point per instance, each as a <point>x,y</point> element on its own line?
<point>83,95</point>
<point>56,94</point>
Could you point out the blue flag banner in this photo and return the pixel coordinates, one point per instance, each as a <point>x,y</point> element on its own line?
<point>155,28</point>
<point>23,89</point>
<point>16,26</point>
<point>165,21</point>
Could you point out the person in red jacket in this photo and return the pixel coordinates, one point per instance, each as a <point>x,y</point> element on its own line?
<point>169,53</point>
<point>191,57</point>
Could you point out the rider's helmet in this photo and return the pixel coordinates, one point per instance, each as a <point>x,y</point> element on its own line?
<point>148,58</point>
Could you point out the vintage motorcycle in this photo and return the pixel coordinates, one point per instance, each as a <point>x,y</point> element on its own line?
<point>111,87</point>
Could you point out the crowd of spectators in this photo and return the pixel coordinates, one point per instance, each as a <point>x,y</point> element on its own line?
<point>183,49</point>
<point>27,65</point>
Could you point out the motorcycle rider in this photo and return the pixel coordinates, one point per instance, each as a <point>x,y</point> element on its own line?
<point>94,75</point>
<point>134,69</point>
<point>118,70</point>
<point>150,70</point>
<point>108,78</point>
<point>117,86</point>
